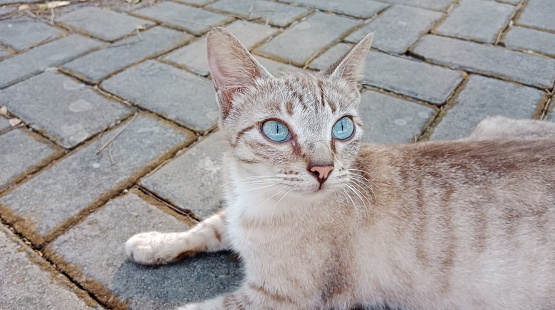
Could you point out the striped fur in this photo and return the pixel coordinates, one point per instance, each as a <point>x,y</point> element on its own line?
<point>466,224</point>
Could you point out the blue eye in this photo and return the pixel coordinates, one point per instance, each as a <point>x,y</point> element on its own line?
<point>275,131</point>
<point>343,129</point>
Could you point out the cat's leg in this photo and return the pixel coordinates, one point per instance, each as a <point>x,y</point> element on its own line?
<point>249,297</point>
<point>152,248</point>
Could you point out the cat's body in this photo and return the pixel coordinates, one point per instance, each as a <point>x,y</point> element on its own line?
<point>322,222</point>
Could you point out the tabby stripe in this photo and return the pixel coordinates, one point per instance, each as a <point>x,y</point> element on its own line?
<point>321,86</point>
<point>241,133</point>
<point>273,296</point>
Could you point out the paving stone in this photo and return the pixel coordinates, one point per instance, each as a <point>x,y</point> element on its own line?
<point>302,41</point>
<point>63,109</point>
<point>197,2</point>
<point>328,58</point>
<point>531,40</point>
<point>192,181</point>
<point>513,2</point>
<point>197,21</point>
<point>72,185</point>
<point>27,285</point>
<point>392,120</point>
<point>95,246</point>
<point>17,1</point>
<point>277,68</point>
<point>51,54</point>
<point>193,56</point>
<point>538,14</point>
<point>4,123</point>
<point>21,152</point>
<point>5,10</point>
<point>3,53</point>
<point>495,61</point>
<point>477,20</point>
<point>98,65</point>
<point>21,34</point>
<point>415,79</point>
<point>356,8</point>
<point>438,5</point>
<point>277,14</point>
<point>104,24</point>
<point>174,93</point>
<point>483,97</point>
<point>397,28</point>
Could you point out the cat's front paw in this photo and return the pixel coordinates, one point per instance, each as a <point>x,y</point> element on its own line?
<point>147,249</point>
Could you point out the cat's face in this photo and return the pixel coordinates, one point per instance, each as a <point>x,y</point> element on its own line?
<point>300,132</point>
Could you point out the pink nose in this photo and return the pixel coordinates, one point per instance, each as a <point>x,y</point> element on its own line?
<point>321,172</point>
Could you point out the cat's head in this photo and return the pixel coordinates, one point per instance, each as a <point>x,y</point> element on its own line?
<point>301,131</point>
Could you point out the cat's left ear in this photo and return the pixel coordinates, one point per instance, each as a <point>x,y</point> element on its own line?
<point>351,66</point>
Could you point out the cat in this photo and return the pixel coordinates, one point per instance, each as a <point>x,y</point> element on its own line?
<point>321,220</point>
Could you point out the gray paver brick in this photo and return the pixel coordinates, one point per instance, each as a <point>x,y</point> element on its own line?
<point>513,2</point>
<point>274,13</point>
<point>73,184</point>
<point>192,180</point>
<point>104,24</point>
<point>3,53</point>
<point>538,14</point>
<point>519,67</point>
<point>21,152</point>
<point>300,42</point>
<point>438,5</point>
<point>392,120</point>
<point>21,34</point>
<point>65,110</point>
<point>97,65</point>
<point>328,58</point>
<point>521,38</point>
<point>6,10</point>
<point>193,56</point>
<point>277,68</point>
<point>411,78</point>
<point>96,248</point>
<point>356,8</point>
<point>174,93</point>
<point>25,285</point>
<point>16,1</point>
<point>4,123</point>
<point>196,2</point>
<point>51,54</point>
<point>188,18</point>
<point>484,97</point>
<point>477,20</point>
<point>397,28</point>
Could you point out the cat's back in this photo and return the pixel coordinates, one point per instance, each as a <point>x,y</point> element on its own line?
<point>472,221</point>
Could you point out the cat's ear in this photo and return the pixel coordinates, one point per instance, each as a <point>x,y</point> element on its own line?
<point>232,67</point>
<point>351,66</point>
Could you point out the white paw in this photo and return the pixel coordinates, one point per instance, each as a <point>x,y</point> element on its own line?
<point>147,248</point>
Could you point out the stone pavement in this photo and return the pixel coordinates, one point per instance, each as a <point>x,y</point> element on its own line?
<point>118,119</point>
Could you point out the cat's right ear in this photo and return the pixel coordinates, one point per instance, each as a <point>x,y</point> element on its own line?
<point>232,67</point>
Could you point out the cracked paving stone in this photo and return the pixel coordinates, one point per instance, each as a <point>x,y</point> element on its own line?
<point>21,152</point>
<point>477,20</point>
<point>302,41</point>
<point>103,24</point>
<point>538,14</point>
<point>483,97</point>
<point>63,109</point>
<point>392,120</point>
<point>96,248</point>
<point>415,79</point>
<point>21,34</point>
<point>42,204</point>
<point>40,58</point>
<point>173,93</point>
<point>488,60</point>
<point>356,8</point>
<point>98,65</point>
<point>193,56</point>
<point>397,28</point>
<point>29,283</point>
<point>197,21</point>
<point>275,13</point>
<point>190,180</point>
